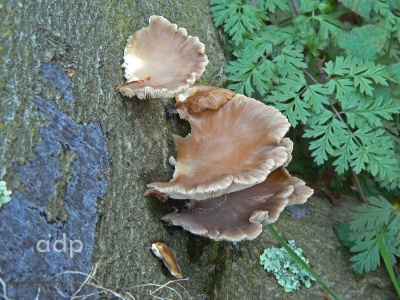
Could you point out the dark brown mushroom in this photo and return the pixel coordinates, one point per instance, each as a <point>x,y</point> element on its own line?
<point>239,216</point>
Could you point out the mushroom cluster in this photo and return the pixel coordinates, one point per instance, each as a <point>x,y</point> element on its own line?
<point>231,167</point>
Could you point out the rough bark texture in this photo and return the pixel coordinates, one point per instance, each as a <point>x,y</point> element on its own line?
<point>78,156</point>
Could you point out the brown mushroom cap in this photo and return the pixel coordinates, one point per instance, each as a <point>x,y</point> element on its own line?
<point>161,61</point>
<point>168,256</point>
<point>240,215</point>
<point>230,149</point>
<point>199,98</point>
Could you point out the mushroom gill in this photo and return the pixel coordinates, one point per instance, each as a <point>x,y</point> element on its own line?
<point>161,61</point>
<point>231,147</point>
<point>239,216</point>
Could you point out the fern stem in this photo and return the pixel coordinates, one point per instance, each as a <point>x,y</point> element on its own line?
<point>358,185</point>
<point>309,75</point>
<point>390,43</point>
<point>296,7</point>
<point>300,261</point>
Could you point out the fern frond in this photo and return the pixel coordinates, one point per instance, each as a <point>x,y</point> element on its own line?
<point>368,258</point>
<point>370,110</point>
<point>290,61</point>
<point>315,96</point>
<point>329,26</point>
<point>246,75</point>
<point>329,137</point>
<point>360,7</point>
<point>272,5</point>
<point>349,71</point>
<point>286,98</point>
<point>237,19</point>
<point>374,214</point>
<point>377,214</point>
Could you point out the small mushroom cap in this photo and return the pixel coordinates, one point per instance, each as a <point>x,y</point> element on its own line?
<point>239,216</point>
<point>161,61</point>
<point>199,98</point>
<point>230,148</point>
<point>154,193</point>
<point>168,256</point>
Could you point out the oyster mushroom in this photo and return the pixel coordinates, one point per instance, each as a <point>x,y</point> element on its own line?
<point>239,216</point>
<point>199,98</point>
<point>231,147</point>
<point>168,256</point>
<point>161,61</point>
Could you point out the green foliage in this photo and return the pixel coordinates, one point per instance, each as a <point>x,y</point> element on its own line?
<point>337,81</point>
<point>286,270</point>
<point>4,193</point>
<point>359,235</point>
<point>237,18</point>
<point>388,262</point>
<point>364,42</point>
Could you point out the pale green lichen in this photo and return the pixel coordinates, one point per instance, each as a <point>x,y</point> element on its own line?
<point>288,272</point>
<point>4,193</point>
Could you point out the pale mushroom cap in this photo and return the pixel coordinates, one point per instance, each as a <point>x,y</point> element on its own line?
<point>301,192</point>
<point>161,61</point>
<point>239,216</point>
<point>168,256</point>
<point>229,149</point>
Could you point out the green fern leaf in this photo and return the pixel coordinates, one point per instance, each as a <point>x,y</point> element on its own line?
<point>290,61</point>
<point>272,5</point>
<point>374,153</point>
<point>220,10</point>
<point>384,9</point>
<point>329,26</point>
<point>237,19</point>
<point>349,71</point>
<point>308,6</point>
<point>370,110</point>
<point>343,87</point>
<point>329,137</point>
<point>377,214</point>
<point>295,110</point>
<point>368,258</point>
<point>343,154</point>
<point>360,7</point>
<point>340,66</point>
<point>286,98</point>
<point>374,214</point>
<point>315,96</point>
<point>244,75</point>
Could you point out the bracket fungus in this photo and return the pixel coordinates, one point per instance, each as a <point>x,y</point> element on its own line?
<point>231,167</point>
<point>161,61</point>
<point>231,147</point>
<point>239,216</point>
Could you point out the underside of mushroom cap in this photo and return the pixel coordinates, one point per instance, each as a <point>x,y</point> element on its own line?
<point>239,216</point>
<point>229,149</point>
<point>161,61</point>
